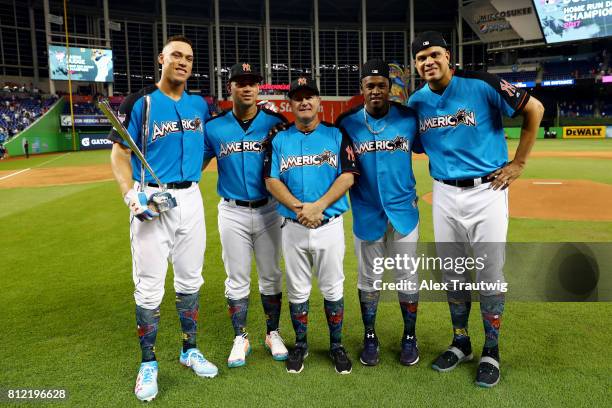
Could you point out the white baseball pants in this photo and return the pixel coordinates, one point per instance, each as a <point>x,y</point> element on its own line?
<point>391,244</point>
<point>473,218</point>
<point>320,250</point>
<point>245,230</point>
<point>177,236</point>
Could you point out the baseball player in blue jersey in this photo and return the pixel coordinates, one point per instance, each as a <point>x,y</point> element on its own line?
<point>248,221</point>
<point>460,128</point>
<point>384,203</point>
<point>309,167</point>
<point>173,143</point>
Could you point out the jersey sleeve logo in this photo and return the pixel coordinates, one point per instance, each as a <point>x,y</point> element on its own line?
<point>350,154</point>
<point>327,157</point>
<point>507,87</point>
<point>400,143</point>
<point>227,149</point>
<point>462,117</point>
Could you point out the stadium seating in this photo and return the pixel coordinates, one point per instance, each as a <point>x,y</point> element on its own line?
<point>17,113</point>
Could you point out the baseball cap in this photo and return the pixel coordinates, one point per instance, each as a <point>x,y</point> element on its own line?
<point>374,67</point>
<point>244,69</point>
<point>302,82</point>
<point>427,39</point>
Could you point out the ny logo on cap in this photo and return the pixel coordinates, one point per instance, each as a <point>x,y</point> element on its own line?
<point>425,43</point>
<point>246,67</point>
<point>302,81</point>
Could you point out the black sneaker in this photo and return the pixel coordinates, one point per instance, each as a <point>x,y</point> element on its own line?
<point>457,353</point>
<point>341,360</point>
<point>409,355</point>
<point>488,372</point>
<point>295,360</point>
<point>369,355</point>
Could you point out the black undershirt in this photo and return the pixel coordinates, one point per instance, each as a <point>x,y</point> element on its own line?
<point>245,124</point>
<point>438,91</point>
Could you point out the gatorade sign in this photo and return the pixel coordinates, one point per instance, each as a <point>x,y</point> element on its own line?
<point>94,141</point>
<point>584,132</point>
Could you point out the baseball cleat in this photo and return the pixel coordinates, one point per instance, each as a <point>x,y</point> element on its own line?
<point>409,354</point>
<point>452,357</point>
<point>342,362</point>
<point>146,382</point>
<point>240,350</point>
<point>194,359</point>
<point>370,354</point>
<point>488,372</point>
<point>276,346</point>
<point>295,360</point>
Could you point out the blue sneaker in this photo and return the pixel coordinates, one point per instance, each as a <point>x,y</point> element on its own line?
<point>194,359</point>
<point>146,382</point>
<point>369,355</point>
<point>409,355</point>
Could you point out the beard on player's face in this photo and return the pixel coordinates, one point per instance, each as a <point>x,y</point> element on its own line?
<point>244,93</point>
<point>433,64</point>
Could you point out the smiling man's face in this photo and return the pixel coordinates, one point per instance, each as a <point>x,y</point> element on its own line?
<point>176,60</point>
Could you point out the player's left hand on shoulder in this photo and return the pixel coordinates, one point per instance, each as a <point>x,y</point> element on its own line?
<point>502,178</point>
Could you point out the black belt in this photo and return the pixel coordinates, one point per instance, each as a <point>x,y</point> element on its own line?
<point>250,204</point>
<point>176,185</point>
<point>326,221</point>
<point>465,182</point>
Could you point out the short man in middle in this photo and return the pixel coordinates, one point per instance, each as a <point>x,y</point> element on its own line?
<point>384,204</point>
<point>248,221</point>
<point>309,167</point>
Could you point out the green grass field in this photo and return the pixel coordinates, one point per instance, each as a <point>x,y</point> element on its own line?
<point>68,314</point>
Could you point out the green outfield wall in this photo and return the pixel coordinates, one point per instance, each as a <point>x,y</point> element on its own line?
<point>43,136</point>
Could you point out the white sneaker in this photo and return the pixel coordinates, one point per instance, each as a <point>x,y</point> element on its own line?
<point>194,359</point>
<point>276,346</point>
<point>146,382</point>
<point>240,350</point>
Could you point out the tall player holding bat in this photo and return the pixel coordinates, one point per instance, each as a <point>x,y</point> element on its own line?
<point>173,143</point>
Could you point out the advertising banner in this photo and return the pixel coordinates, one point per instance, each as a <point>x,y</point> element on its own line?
<point>584,132</point>
<point>94,141</point>
<point>85,120</point>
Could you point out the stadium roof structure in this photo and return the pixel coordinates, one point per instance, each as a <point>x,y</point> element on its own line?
<point>427,15</point>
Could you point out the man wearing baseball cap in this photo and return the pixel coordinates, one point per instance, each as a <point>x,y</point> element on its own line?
<point>385,214</point>
<point>247,218</point>
<point>309,167</point>
<point>460,129</point>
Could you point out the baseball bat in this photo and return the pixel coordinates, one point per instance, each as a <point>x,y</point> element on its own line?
<point>124,134</point>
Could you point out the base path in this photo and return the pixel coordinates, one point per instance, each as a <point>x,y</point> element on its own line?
<point>549,199</point>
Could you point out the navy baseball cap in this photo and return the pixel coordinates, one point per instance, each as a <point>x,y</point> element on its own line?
<point>244,69</point>
<point>374,67</point>
<point>302,82</point>
<point>428,39</point>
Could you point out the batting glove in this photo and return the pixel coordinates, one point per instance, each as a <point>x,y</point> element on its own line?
<point>137,203</point>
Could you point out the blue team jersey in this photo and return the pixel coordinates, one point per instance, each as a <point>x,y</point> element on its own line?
<point>239,153</point>
<point>461,130</point>
<point>386,189</point>
<point>175,145</point>
<point>309,163</point>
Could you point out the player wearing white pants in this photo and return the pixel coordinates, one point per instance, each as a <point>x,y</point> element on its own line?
<point>166,123</point>
<point>245,232</point>
<point>178,237</point>
<point>318,252</point>
<point>248,221</point>
<point>461,130</point>
<point>309,167</point>
<point>385,214</point>
<point>471,219</point>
